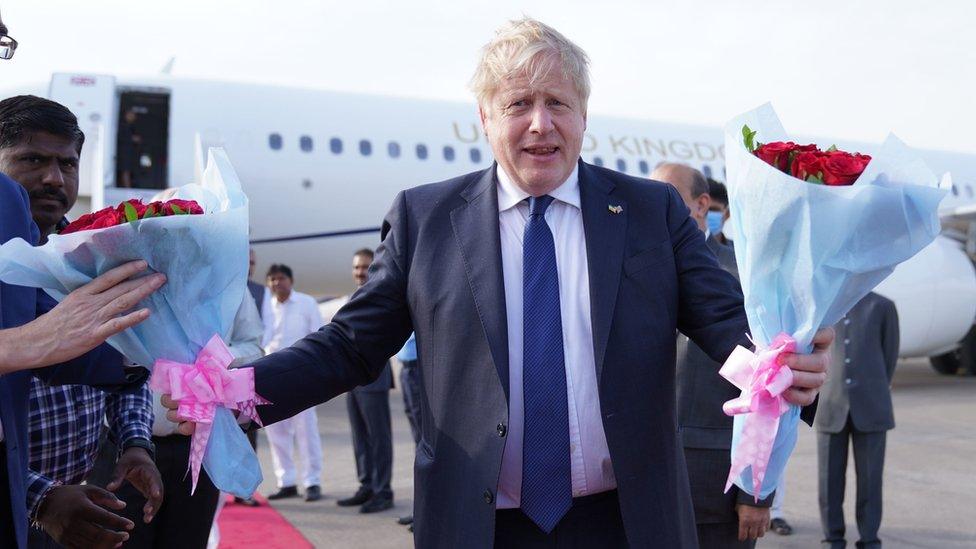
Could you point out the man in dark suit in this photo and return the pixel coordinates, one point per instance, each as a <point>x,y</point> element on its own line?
<point>58,335</point>
<point>545,294</point>
<point>855,406</point>
<point>723,520</point>
<point>372,429</point>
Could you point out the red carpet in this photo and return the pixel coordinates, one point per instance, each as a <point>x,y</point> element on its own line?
<point>243,527</point>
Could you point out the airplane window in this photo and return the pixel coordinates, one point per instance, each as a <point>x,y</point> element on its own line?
<point>393,148</point>
<point>274,141</point>
<point>621,165</point>
<point>305,142</point>
<point>707,170</point>
<point>969,191</point>
<point>449,153</point>
<point>422,151</point>
<point>643,167</point>
<point>597,161</point>
<point>955,191</point>
<point>365,147</point>
<point>476,156</point>
<point>335,145</point>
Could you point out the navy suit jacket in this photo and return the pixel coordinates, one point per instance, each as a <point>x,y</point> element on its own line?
<point>438,273</point>
<point>19,305</point>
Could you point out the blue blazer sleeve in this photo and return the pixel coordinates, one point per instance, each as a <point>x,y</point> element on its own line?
<point>354,348</point>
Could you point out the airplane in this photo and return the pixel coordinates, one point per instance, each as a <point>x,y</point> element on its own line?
<point>321,169</point>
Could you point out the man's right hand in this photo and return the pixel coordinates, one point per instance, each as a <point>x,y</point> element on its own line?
<point>753,521</point>
<point>92,313</point>
<point>79,516</point>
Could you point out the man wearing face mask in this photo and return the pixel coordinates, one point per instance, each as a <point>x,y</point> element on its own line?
<point>722,520</point>
<point>718,211</point>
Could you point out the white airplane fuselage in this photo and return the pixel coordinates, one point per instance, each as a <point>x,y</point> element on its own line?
<point>322,168</point>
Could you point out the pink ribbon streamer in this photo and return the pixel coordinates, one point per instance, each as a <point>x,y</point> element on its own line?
<point>763,378</point>
<point>203,386</point>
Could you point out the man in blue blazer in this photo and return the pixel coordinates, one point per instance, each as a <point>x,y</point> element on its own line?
<point>545,294</point>
<point>60,333</point>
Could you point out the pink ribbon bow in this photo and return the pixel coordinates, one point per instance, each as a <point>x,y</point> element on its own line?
<point>763,378</point>
<point>203,386</point>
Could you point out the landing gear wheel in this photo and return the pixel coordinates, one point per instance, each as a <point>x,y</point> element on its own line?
<point>947,364</point>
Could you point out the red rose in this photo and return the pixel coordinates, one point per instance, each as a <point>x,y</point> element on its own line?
<point>843,168</point>
<point>107,217</point>
<point>807,164</point>
<point>188,206</point>
<point>776,154</point>
<point>135,203</point>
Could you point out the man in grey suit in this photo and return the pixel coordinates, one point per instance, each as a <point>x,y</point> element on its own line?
<point>545,294</point>
<point>372,431</point>
<point>855,406</point>
<point>730,520</point>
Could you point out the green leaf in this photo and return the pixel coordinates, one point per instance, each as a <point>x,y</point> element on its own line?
<point>130,212</point>
<point>150,212</point>
<point>749,138</point>
<point>177,210</point>
<point>832,148</point>
<point>815,178</point>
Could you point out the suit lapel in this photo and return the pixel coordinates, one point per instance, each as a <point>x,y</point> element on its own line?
<point>605,233</point>
<point>475,226</point>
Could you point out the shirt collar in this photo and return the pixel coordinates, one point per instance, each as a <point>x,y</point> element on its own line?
<point>510,194</point>
<point>291,298</point>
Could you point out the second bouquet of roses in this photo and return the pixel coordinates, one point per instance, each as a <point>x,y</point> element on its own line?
<point>199,241</point>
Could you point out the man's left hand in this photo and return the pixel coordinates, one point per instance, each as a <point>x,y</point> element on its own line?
<point>136,466</point>
<point>810,371</point>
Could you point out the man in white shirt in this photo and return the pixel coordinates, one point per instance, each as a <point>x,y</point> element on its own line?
<point>289,316</point>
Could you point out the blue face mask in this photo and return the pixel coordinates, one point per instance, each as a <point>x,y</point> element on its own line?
<point>714,221</point>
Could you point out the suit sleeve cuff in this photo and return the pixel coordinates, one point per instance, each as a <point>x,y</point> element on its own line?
<point>743,497</point>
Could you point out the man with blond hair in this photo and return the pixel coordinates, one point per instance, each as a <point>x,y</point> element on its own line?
<point>545,294</point>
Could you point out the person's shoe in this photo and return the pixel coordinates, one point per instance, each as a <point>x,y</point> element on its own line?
<point>410,528</point>
<point>405,520</point>
<point>781,527</point>
<point>362,496</point>
<point>285,492</point>
<point>377,504</point>
<point>248,502</point>
<point>313,493</point>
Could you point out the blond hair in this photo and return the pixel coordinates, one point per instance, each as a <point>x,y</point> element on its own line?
<point>529,48</point>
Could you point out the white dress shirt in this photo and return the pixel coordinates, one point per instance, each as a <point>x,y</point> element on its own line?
<point>287,322</point>
<point>589,456</point>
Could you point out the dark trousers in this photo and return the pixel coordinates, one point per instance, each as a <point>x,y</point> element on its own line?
<point>716,520</point>
<point>592,521</point>
<point>869,451</point>
<point>410,385</point>
<point>372,439</point>
<point>8,535</point>
<point>183,520</point>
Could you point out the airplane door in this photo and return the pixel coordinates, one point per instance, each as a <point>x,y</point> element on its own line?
<point>92,99</point>
<point>142,142</point>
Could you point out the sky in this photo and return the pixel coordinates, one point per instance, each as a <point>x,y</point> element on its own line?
<point>848,69</point>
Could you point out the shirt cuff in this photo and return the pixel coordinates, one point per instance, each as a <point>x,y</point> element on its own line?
<point>38,486</point>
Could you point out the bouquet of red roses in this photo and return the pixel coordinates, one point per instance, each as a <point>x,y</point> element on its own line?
<point>200,243</point>
<point>807,162</point>
<point>129,211</point>
<point>814,231</point>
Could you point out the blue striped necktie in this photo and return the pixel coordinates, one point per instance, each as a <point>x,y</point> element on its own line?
<point>547,492</point>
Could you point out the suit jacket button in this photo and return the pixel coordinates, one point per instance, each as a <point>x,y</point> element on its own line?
<point>489,497</point>
<point>501,429</point>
